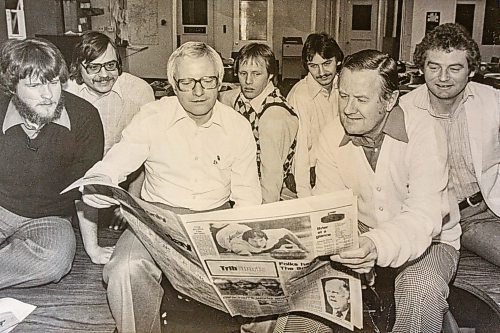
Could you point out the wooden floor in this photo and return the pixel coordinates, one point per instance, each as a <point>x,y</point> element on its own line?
<point>76,304</point>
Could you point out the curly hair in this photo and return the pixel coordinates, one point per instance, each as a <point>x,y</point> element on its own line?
<point>322,44</point>
<point>33,58</point>
<point>448,37</point>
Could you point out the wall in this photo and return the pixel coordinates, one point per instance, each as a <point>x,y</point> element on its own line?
<point>448,9</point>
<point>3,22</point>
<point>43,17</point>
<point>291,18</point>
<point>150,63</point>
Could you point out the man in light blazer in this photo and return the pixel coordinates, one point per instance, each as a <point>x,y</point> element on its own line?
<point>470,114</point>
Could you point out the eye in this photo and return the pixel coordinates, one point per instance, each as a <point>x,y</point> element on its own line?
<point>54,82</point>
<point>327,63</point>
<point>342,96</point>
<point>433,67</point>
<point>455,69</point>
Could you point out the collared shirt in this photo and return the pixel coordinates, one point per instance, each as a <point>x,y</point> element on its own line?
<point>13,118</point>
<point>394,127</point>
<point>118,106</point>
<point>190,166</point>
<point>315,107</point>
<point>277,130</point>
<point>459,153</point>
<point>403,201</point>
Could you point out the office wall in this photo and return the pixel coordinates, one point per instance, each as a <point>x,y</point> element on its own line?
<point>3,22</point>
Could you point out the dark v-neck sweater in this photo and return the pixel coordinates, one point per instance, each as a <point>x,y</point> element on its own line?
<point>32,175</point>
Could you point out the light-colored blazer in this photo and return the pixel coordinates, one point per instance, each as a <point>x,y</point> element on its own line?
<point>482,108</point>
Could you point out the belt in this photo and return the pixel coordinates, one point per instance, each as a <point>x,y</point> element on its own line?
<point>471,201</point>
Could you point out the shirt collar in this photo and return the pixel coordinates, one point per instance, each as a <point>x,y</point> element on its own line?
<point>423,100</point>
<point>13,118</point>
<point>315,88</point>
<point>181,113</point>
<point>256,103</point>
<point>394,127</point>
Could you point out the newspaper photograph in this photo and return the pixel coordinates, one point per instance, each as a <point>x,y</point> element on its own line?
<point>253,261</point>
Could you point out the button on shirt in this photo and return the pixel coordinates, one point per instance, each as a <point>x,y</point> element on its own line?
<point>189,166</point>
<point>315,107</point>
<point>118,106</point>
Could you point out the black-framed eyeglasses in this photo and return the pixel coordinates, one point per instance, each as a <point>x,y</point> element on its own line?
<point>94,68</point>
<point>206,82</point>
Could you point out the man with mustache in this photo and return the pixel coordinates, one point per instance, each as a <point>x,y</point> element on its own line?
<point>470,114</point>
<point>49,139</point>
<point>96,75</point>
<point>273,120</point>
<point>315,98</point>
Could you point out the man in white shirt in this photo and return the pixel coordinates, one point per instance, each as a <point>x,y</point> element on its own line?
<point>395,162</point>
<point>315,99</point>
<point>96,75</point>
<point>470,114</point>
<point>198,155</point>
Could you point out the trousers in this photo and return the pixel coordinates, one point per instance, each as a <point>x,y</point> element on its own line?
<point>34,251</point>
<point>420,293</point>
<point>481,232</point>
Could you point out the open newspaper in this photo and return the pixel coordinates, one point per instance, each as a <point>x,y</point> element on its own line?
<point>253,261</point>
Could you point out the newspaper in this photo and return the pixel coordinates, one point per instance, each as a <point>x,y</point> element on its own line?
<point>254,261</point>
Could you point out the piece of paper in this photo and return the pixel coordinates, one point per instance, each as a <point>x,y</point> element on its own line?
<point>12,312</point>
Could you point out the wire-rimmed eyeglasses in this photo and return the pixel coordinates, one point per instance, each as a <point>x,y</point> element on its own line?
<point>94,68</point>
<point>206,82</point>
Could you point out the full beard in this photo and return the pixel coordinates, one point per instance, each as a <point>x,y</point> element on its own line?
<point>31,115</point>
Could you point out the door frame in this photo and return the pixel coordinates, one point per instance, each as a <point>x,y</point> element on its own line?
<point>237,43</point>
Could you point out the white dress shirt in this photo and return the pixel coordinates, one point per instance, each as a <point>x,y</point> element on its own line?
<point>315,107</point>
<point>118,106</point>
<point>189,166</point>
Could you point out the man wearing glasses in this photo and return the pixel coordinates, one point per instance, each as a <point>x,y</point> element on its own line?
<point>315,98</point>
<point>198,155</point>
<point>273,121</point>
<point>96,75</point>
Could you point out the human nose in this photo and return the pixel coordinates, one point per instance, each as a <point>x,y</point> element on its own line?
<point>321,69</point>
<point>46,91</point>
<point>443,74</point>
<point>349,107</point>
<point>198,89</point>
<point>249,79</point>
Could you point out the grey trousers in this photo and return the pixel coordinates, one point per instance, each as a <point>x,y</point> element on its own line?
<point>421,290</point>
<point>35,251</point>
<point>481,232</point>
<point>134,283</point>
<point>134,290</point>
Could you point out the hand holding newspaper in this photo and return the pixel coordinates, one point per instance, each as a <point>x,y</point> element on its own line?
<point>254,261</point>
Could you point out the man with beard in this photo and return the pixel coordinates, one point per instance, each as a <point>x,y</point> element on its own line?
<point>49,139</point>
<point>470,114</point>
<point>315,98</point>
<point>96,75</point>
<point>273,120</point>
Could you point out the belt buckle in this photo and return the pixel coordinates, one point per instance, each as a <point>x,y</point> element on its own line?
<point>471,204</point>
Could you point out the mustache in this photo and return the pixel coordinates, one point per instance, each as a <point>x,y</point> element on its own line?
<point>103,79</point>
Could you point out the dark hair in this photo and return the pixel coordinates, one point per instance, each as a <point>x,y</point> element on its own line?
<point>31,57</point>
<point>322,44</point>
<point>92,45</point>
<point>375,60</point>
<point>448,37</point>
<point>252,233</point>
<point>254,52</point>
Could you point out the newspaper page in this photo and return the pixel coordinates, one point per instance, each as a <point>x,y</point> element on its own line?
<point>267,259</point>
<point>253,261</point>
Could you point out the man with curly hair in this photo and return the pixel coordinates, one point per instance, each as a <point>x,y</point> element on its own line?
<point>470,114</point>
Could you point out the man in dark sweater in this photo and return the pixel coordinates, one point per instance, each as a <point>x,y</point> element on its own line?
<point>48,139</point>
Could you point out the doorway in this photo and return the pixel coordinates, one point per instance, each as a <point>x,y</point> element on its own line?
<point>195,21</point>
<point>359,25</point>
